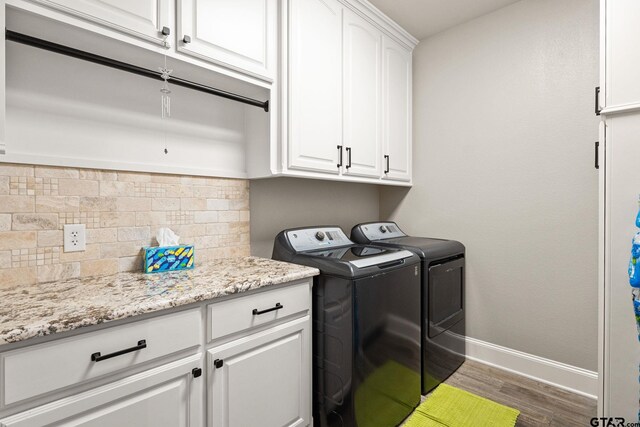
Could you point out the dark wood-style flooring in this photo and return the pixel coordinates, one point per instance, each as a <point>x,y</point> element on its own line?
<point>539,404</point>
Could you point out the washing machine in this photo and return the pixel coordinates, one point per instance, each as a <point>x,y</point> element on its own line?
<point>443,278</point>
<point>366,327</point>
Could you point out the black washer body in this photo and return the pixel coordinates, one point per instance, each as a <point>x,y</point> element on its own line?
<point>366,327</point>
<point>442,296</point>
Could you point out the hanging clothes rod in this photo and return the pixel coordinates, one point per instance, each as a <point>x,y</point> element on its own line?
<point>134,69</point>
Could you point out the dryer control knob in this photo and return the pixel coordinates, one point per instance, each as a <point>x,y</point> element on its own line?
<point>320,235</point>
<point>383,228</point>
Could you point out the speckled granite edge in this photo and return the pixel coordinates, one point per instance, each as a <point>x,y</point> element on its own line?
<point>49,308</point>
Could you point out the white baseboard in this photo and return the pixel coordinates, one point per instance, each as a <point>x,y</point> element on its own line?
<point>571,378</point>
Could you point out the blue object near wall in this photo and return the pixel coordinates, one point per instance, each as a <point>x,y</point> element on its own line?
<point>168,258</point>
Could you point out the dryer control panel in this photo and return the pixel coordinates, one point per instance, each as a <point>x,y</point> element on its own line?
<point>309,239</point>
<point>381,230</point>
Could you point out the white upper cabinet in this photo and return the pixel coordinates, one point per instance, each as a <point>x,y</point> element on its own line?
<point>239,34</point>
<point>622,59</point>
<point>315,85</point>
<point>141,18</point>
<point>362,97</point>
<point>397,84</point>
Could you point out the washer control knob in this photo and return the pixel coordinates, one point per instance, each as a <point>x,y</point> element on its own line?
<point>320,236</point>
<point>383,228</point>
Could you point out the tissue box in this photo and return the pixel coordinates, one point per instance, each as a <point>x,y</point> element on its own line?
<point>168,258</point>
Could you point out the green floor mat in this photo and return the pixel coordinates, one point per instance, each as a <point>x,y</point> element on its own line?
<point>451,407</point>
<point>386,397</point>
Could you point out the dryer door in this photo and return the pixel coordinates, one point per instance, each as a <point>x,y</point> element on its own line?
<point>446,295</point>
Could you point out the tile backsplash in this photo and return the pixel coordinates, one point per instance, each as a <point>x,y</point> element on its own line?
<point>122,212</point>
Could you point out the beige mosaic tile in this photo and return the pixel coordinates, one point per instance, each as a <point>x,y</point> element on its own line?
<point>17,240</point>
<point>5,186</point>
<point>75,187</point>
<point>5,222</point>
<point>122,212</point>
<point>35,221</point>
<point>90,219</point>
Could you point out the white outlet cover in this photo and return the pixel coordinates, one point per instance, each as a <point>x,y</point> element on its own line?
<point>75,238</point>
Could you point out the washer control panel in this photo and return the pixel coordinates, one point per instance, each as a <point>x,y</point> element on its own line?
<point>381,230</point>
<point>309,239</point>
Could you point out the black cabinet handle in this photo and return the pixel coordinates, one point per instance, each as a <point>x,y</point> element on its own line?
<point>597,101</point>
<point>218,363</point>
<point>257,312</point>
<point>386,156</point>
<point>340,155</point>
<point>166,31</point>
<point>196,372</point>
<point>186,39</point>
<point>348,157</point>
<point>96,357</point>
<point>597,160</point>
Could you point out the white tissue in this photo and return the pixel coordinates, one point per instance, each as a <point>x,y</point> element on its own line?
<point>166,237</point>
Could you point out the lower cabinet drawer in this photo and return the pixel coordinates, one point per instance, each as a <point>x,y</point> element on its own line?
<point>166,396</point>
<point>247,311</point>
<point>43,368</point>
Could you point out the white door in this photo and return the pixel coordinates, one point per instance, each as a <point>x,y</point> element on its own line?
<point>168,396</point>
<point>315,85</point>
<point>140,18</point>
<point>262,380</point>
<point>622,59</point>
<point>622,349</point>
<point>362,97</point>
<point>239,34</point>
<point>396,84</point>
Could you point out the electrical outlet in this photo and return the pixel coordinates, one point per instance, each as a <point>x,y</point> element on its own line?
<point>75,238</point>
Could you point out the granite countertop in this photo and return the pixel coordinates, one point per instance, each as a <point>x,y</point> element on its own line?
<point>48,308</point>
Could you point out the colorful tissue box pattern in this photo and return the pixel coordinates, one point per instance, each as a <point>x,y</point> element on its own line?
<point>168,258</point>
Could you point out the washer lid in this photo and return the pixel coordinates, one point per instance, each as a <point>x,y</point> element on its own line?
<point>362,256</point>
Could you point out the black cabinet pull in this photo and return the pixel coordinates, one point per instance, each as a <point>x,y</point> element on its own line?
<point>196,372</point>
<point>340,155</point>
<point>257,312</point>
<point>597,160</point>
<point>96,357</point>
<point>166,31</point>
<point>386,156</point>
<point>348,157</point>
<point>186,39</point>
<point>597,101</point>
<point>218,363</point>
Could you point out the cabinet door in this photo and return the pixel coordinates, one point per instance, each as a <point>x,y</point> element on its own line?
<point>362,96</point>
<point>239,34</point>
<point>396,77</point>
<point>262,380</point>
<point>621,349</point>
<point>141,18</point>
<point>622,59</point>
<point>168,396</point>
<point>315,85</point>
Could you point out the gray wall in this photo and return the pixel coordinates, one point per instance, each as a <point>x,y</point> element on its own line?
<point>503,161</point>
<point>280,203</point>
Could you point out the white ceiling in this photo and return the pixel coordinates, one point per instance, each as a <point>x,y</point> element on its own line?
<point>423,18</point>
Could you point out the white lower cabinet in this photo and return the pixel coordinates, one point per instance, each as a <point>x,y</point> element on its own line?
<point>263,379</point>
<point>152,372</point>
<point>167,396</point>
